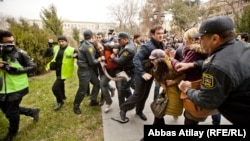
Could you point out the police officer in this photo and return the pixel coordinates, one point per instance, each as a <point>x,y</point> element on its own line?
<point>63,64</point>
<point>86,72</point>
<point>124,59</point>
<point>14,66</point>
<point>143,80</point>
<point>225,79</point>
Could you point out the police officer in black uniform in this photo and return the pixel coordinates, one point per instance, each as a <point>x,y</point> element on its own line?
<point>87,62</point>
<point>226,72</point>
<point>125,61</point>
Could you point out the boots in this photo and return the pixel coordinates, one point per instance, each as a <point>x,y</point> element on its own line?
<point>77,109</point>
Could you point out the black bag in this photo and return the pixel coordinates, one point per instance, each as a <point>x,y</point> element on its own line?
<point>159,105</point>
<point>52,66</point>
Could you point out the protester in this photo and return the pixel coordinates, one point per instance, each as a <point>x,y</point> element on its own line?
<point>226,72</point>
<point>15,64</point>
<point>192,51</point>
<point>63,64</point>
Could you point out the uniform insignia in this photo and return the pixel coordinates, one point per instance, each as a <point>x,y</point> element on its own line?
<point>208,59</point>
<point>208,80</point>
<point>125,53</point>
<point>90,50</point>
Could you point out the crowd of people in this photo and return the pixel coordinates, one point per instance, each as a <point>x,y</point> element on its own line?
<point>202,57</point>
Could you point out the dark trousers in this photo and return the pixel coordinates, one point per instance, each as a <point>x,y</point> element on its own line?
<point>123,89</point>
<point>104,84</point>
<point>12,112</point>
<point>216,118</point>
<point>159,121</point>
<point>140,95</point>
<point>157,89</point>
<point>58,90</point>
<point>86,76</point>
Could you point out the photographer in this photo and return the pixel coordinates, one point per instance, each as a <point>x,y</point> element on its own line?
<point>63,64</point>
<point>14,67</point>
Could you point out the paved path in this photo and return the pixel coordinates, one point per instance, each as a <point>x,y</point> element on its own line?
<point>133,130</point>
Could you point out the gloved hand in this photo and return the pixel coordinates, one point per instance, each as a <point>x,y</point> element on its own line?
<point>8,68</point>
<point>12,70</point>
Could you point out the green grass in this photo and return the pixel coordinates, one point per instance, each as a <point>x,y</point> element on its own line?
<point>62,125</point>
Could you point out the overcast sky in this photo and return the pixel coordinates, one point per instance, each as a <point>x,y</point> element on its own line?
<point>74,10</point>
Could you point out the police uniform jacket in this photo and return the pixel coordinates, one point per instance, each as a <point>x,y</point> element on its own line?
<point>86,56</point>
<point>143,54</point>
<point>226,82</point>
<point>125,57</point>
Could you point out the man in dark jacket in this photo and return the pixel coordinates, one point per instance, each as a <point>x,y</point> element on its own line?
<point>143,80</point>
<point>15,64</point>
<point>124,59</point>
<point>225,79</point>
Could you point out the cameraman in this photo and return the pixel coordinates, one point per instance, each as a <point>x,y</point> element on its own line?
<point>15,64</point>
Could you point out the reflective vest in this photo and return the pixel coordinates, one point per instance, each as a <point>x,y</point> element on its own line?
<point>13,82</point>
<point>67,61</point>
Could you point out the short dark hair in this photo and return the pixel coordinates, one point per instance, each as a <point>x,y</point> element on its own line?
<point>155,27</point>
<point>100,33</point>
<point>5,33</point>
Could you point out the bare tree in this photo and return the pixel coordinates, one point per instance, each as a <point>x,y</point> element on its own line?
<point>125,13</point>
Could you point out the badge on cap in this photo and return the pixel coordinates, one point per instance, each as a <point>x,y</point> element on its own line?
<point>208,80</point>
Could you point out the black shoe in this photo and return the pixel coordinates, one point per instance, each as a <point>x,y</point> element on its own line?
<point>9,136</point>
<point>123,115</point>
<point>77,110</point>
<point>93,103</point>
<point>58,106</point>
<point>142,116</point>
<point>35,114</point>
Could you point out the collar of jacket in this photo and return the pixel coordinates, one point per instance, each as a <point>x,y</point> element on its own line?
<point>159,45</point>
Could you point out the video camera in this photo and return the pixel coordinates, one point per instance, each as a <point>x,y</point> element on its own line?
<point>110,31</point>
<point>6,49</point>
<point>51,43</point>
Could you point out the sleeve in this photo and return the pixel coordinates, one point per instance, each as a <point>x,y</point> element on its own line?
<point>215,88</point>
<point>26,62</point>
<point>125,56</point>
<point>90,54</point>
<point>142,54</point>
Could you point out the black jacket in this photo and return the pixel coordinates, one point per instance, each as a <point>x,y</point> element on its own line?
<point>226,82</point>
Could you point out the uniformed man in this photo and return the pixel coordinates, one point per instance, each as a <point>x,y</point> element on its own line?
<point>226,72</point>
<point>86,72</point>
<point>124,59</point>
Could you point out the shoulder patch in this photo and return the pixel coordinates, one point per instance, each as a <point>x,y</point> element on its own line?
<point>90,50</point>
<point>208,80</point>
<point>125,53</point>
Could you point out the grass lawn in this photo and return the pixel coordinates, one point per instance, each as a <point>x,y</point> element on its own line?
<point>62,125</point>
